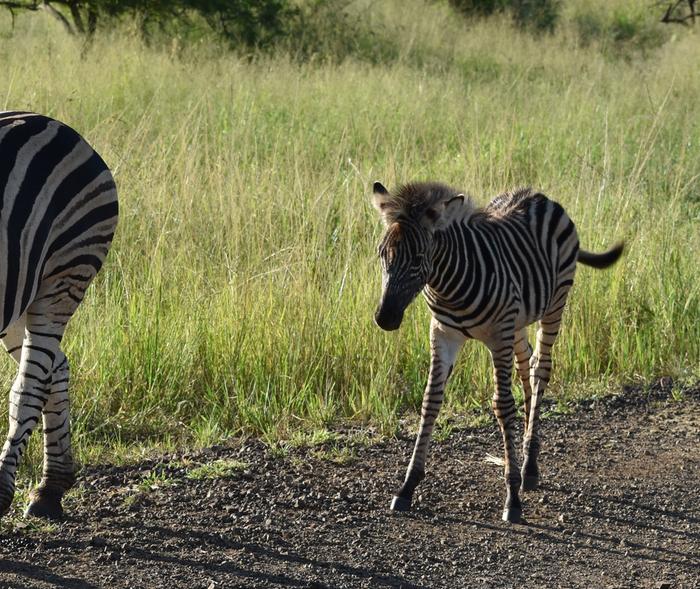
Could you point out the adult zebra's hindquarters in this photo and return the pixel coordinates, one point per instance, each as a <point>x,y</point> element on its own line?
<point>57,218</point>
<point>486,274</point>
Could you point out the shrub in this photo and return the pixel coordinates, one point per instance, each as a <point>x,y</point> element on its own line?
<point>541,15</point>
<point>332,31</point>
<point>621,33</point>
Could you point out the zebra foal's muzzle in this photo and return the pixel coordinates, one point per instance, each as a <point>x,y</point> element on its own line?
<point>388,317</point>
<point>389,313</point>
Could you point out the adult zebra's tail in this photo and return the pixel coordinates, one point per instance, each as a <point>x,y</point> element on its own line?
<point>601,260</point>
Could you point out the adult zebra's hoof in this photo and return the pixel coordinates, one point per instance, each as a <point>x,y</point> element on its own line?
<point>513,515</point>
<point>530,483</point>
<point>46,505</point>
<point>400,503</point>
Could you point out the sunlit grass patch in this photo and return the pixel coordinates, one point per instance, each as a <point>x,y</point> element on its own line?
<point>341,455</point>
<point>218,469</point>
<point>16,523</point>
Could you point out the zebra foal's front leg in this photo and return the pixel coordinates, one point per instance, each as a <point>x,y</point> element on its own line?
<point>444,346</point>
<point>523,359</point>
<point>504,407</point>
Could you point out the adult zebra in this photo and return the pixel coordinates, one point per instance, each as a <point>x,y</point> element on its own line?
<point>58,214</point>
<point>486,274</point>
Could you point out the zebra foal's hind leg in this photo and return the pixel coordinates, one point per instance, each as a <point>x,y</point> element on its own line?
<point>541,371</point>
<point>444,346</point>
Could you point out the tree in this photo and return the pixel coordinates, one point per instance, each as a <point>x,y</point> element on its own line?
<point>253,23</point>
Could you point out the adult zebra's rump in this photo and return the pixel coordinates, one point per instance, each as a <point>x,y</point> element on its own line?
<point>57,218</point>
<point>486,274</point>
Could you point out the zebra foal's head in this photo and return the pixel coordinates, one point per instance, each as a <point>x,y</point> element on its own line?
<point>412,216</point>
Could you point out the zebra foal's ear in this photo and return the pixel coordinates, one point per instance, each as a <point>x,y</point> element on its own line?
<point>378,188</point>
<point>442,214</point>
<point>380,198</point>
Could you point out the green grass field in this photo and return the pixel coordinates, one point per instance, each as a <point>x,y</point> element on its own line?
<point>239,293</point>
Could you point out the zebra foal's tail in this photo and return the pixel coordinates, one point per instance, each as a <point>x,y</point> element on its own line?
<point>601,260</point>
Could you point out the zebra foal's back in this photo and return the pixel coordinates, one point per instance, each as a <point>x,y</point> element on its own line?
<point>537,246</point>
<point>57,218</point>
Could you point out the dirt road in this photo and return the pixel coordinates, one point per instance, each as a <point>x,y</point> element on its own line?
<point>618,507</point>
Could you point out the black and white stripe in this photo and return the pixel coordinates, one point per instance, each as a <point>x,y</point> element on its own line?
<point>57,218</point>
<point>486,274</point>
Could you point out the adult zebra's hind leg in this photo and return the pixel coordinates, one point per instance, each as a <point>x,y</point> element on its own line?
<point>444,346</point>
<point>12,339</point>
<point>59,471</point>
<point>40,388</point>
<point>30,390</point>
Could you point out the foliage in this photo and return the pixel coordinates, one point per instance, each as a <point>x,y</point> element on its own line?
<point>625,30</point>
<point>332,30</point>
<point>249,23</point>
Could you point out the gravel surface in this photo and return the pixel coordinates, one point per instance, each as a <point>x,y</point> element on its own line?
<point>618,507</point>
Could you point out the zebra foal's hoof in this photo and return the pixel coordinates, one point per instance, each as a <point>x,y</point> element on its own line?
<point>513,515</point>
<point>5,501</point>
<point>45,505</point>
<point>4,508</point>
<point>530,483</point>
<point>400,503</point>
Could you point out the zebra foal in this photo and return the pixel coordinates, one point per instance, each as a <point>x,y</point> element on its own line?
<point>486,274</point>
<point>58,214</point>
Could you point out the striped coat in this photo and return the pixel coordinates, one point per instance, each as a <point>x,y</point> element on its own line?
<point>57,218</point>
<point>486,274</point>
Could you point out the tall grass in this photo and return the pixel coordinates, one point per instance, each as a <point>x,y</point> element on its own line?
<point>239,293</point>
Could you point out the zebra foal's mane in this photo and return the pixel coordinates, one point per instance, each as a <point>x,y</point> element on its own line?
<point>442,205</point>
<point>424,200</point>
<point>508,202</point>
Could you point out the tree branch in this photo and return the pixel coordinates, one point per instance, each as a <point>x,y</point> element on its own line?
<point>77,17</point>
<point>46,6</point>
<point>669,17</point>
<point>23,5</point>
<point>58,15</point>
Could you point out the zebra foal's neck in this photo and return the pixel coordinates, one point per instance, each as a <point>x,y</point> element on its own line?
<point>465,257</point>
